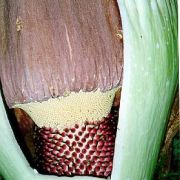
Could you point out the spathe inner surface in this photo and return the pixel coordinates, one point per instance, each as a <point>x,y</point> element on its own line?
<point>82,147</point>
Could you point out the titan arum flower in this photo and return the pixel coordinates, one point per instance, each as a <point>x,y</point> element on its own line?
<point>64,66</point>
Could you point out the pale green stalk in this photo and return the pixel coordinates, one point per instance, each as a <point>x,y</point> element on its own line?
<point>149,84</point>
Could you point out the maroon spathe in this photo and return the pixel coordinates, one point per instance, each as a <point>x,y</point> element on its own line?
<point>50,47</point>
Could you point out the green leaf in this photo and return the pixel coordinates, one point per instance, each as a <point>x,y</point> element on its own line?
<point>149,84</point>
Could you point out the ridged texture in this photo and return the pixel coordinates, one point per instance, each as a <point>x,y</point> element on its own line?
<point>80,150</point>
<point>48,49</point>
<point>149,85</point>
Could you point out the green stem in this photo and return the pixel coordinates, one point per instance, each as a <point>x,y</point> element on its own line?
<point>149,84</point>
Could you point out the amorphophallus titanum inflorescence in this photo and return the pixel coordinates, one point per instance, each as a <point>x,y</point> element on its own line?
<point>149,84</point>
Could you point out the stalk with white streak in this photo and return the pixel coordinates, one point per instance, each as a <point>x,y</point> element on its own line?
<point>149,84</point>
